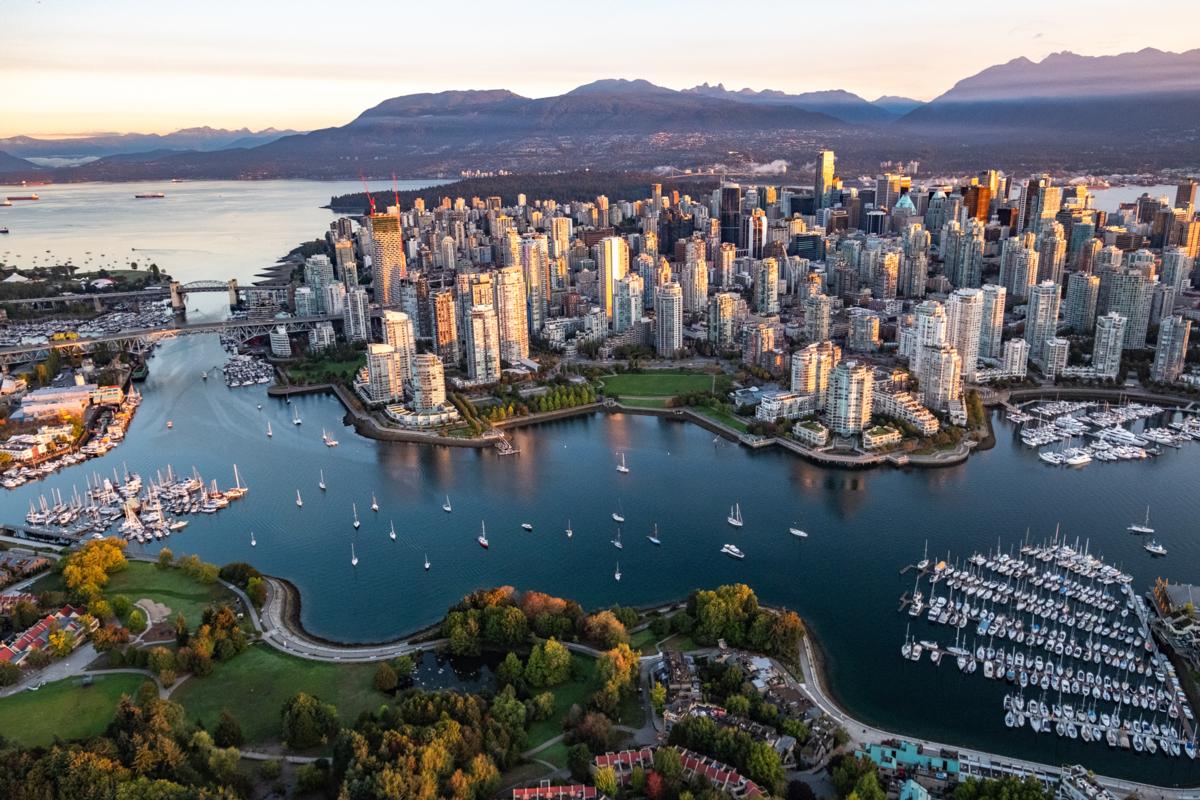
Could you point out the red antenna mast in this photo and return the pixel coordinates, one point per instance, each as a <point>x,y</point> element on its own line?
<point>367,189</point>
<point>396,192</point>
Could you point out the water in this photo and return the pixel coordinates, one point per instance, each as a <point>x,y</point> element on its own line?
<point>200,230</point>
<point>864,526</point>
<point>1110,199</point>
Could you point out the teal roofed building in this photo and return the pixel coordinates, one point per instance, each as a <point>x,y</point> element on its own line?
<point>911,790</point>
<point>910,760</point>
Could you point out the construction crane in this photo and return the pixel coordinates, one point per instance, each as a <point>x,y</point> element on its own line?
<point>367,189</point>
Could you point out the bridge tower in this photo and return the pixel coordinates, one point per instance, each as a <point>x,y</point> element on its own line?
<point>177,301</point>
<point>233,293</point>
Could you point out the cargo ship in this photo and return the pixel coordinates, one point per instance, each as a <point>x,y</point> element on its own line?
<point>23,197</point>
<point>149,195</point>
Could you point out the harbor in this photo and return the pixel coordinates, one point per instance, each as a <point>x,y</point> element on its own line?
<point>1061,422</point>
<point>1068,634</point>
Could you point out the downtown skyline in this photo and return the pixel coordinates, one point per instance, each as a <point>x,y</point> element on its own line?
<point>140,69</point>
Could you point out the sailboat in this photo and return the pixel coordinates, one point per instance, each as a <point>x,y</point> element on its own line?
<point>238,490</point>
<point>617,541</point>
<point>735,515</point>
<point>329,440</point>
<point>427,562</point>
<point>374,503</point>
<point>654,536</point>
<point>353,556</point>
<point>252,542</point>
<point>617,574</point>
<point>356,522</point>
<point>269,434</point>
<point>296,416</point>
<point>621,467</point>
<point>527,526</point>
<point>1142,527</point>
<point>482,538</point>
<point>618,515</point>
<point>392,532</point>
<point>569,531</point>
<point>299,502</point>
<point>446,505</point>
<point>321,483</point>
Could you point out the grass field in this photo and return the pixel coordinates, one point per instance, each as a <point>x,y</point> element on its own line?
<point>679,642</point>
<point>556,754</point>
<point>64,709</point>
<point>255,685</point>
<point>644,402</point>
<point>342,369</point>
<point>566,695</point>
<point>643,641</point>
<point>658,383</point>
<point>723,417</point>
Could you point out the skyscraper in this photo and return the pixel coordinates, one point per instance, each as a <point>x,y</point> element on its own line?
<point>730,213</point>
<point>428,384</point>
<point>811,368</point>
<point>941,376</point>
<point>721,321</point>
<point>398,332</point>
<point>863,336</point>
<point>1177,265</point>
<point>356,320</point>
<point>1082,291</point>
<point>1171,350</point>
<point>823,181</point>
<point>851,390</point>
<point>445,326</point>
<point>612,264</point>
<point>1041,318</point>
<point>817,318</point>
<point>384,383</point>
<point>511,314</point>
<point>483,344</point>
<point>388,263</point>
<point>1109,341</point>
<point>627,302</point>
<point>766,286</point>
<point>932,331</point>
<point>1052,252</point>
<point>991,331</point>
<point>693,280</point>
<point>964,324</point>
<point>668,317</point>
<point>1129,292</point>
<point>754,233</point>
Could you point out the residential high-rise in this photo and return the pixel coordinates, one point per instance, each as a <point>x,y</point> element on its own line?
<point>1041,318</point>
<point>612,264</point>
<point>444,316</point>
<point>1082,292</point>
<point>766,286</point>
<point>885,285</point>
<point>754,233</point>
<point>384,383</point>
<point>388,263</point>
<point>535,269</point>
<point>1171,350</point>
<point>482,335</point>
<point>863,336</point>
<point>398,332</point>
<point>318,273</point>
<point>343,254</point>
<point>356,320</point>
<point>448,252</point>
<point>1052,252</point>
<point>627,302</point>
<point>759,340</point>
<point>693,280</point>
<point>723,268</point>
<point>1177,265</point>
<point>1016,358</point>
<point>1185,195</point>
<point>991,332</point>
<point>932,330</point>
<point>668,318</point>
<point>427,387</point>
<point>306,302</point>
<point>1129,292</point>
<point>941,376</point>
<point>281,343</point>
<point>964,327</point>
<point>335,299</point>
<point>1054,356</point>
<point>1019,265</point>
<point>817,318</point>
<point>823,181</point>
<point>511,315</point>
<point>721,320</point>
<point>1107,346</point>
<point>811,368</point>
<point>851,390</point>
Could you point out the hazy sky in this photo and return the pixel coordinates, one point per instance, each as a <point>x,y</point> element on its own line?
<point>70,66</point>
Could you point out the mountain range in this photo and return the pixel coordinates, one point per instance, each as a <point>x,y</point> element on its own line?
<point>1131,111</point>
<point>106,144</point>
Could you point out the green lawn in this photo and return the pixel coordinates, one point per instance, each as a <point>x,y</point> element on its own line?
<point>721,416</point>
<point>256,683</point>
<point>680,642</point>
<point>313,374</point>
<point>644,402</point>
<point>659,383</point>
<point>65,709</point>
<point>644,641</point>
<point>556,754</point>
<point>566,695</point>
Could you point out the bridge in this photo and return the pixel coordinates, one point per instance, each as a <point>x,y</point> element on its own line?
<point>175,290</point>
<point>141,340</point>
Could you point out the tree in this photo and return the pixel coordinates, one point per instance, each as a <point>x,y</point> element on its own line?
<point>307,722</point>
<point>542,706</point>
<point>510,671</point>
<point>256,590</point>
<point>668,763</point>
<point>385,678</point>
<point>228,732</point>
<point>658,697</point>
<point>606,781</point>
<point>9,673</point>
<point>61,642</point>
<point>594,730</point>
<point>579,761</point>
<point>763,766</point>
<point>404,667</point>
<point>605,629</point>
<point>165,558</point>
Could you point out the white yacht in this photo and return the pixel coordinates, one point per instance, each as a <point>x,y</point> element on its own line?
<point>735,515</point>
<point>618,515</point>
<point>252,542</point>
<point>329,440</point>
<point>482,537</point>
<point>1154,548</point>
<point>427,562</point>
<point>269,433</point>
<point>654,536</point>
<point>1142,527</point>
<point>617,541</point>
<point>296,416</point>
<point>732,551</point>
<point>621,467</point>
<point>798,533</point>
<point>528,526</point>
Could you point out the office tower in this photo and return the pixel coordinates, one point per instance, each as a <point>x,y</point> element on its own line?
<point>887,276</point>
<point>693,280</point>
<point>511,316</point>
<point>721,320</point>
<point>560,236</point>
<point>1041,318</point>
<point>1039,200</point>
<point>612,264</point>
<point>1176,267</point>
<point>356,321</point>
<point>281,344</point>
<point>823,182</point>
<point>723,267</point>
<point>445,326</point>
<point>1129,293</point>
<point>1016,358</point>
<point>305,302</point>
<point>1052,252</point>
<point>811,368</point>
<point>388,263</point>
<point>754,233</point>
<point>759,339</point>
<point>398,332</point>
<point>482,336</point>
<point>535,269</point>
<point>1054,356</point>
<point>851,390</point>
<point>977,202</point>
<point>335,299</point>
<point>1108,344</point>
<point>766,286</point>
<point>627,302</point>
<point>964,326</point>
<point>887,190</point>
<point>1171,350</point>
<point>932,331</point>
<point>1185,195</point>
<point>863,336</point>
<point>817,318</point>
<point>384,383</point>
<point>428,385</point>
<point>941,376</point>
<point>1019,265</point>
<point>668,317</point>
<point>991,331</point>
<point>1082,292</point>
<point>730,213</point>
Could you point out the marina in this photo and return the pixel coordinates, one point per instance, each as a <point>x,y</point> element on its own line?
<point>1066,631</point>
<point>1062,422</point>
